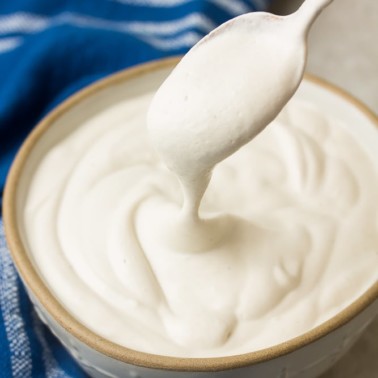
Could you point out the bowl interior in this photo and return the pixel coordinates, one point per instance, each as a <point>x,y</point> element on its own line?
<point>96,99</point>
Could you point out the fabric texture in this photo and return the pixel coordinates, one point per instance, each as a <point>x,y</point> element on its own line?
<point>49,50</point>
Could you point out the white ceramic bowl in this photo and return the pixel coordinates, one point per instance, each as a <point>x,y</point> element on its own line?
<point>305,356</point>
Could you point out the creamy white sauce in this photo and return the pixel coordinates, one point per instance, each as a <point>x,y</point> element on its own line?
<point>300,244</point>
<point>286,234</point>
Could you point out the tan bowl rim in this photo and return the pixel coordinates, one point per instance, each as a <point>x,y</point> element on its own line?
<point>35,284</point>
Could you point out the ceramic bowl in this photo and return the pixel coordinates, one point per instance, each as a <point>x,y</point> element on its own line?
<point>305,356</point>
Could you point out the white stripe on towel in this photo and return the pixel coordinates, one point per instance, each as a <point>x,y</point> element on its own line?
<point>194,20</point>
<point>33,23</point>
<point>153,3</point>
<point>160,35</point>
<point>186,40</point>
<point>19,344</point>
<point>234,7</point>
<point>8,44</point>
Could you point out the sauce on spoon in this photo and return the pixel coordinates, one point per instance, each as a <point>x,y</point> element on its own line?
<point>223,93</point>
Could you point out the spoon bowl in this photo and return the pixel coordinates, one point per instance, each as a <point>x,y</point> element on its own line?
<point>263,69</point>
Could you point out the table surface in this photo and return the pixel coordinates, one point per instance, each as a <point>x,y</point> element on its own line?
<point>343,49</point>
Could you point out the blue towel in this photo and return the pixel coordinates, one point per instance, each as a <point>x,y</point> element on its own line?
<point>48,50</point>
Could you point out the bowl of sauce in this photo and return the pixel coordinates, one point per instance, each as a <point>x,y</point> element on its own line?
<point>203,217</point>
<point>279,280</point>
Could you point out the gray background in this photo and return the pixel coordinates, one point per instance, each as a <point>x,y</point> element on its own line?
<point>343,48</point>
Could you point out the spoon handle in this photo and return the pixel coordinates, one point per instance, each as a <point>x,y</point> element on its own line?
<point>308,12</point>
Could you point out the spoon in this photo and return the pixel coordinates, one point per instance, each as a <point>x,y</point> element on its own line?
<point>225,91</point>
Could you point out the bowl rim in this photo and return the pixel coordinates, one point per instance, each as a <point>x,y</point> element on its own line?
<point>59,314</point>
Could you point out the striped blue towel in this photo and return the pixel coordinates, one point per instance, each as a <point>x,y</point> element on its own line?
<point>48,50</point>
